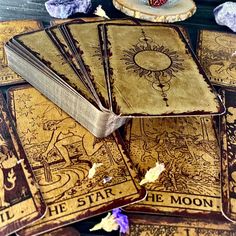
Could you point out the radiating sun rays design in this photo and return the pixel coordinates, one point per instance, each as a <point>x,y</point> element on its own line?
<point>154,62</point>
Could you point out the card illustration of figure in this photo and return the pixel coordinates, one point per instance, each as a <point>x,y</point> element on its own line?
<point>188,148</point>
<point>228,137</point>
<point>7,30</point>
<point>21,202</point>
<point>215,51</point>
<point>79,175</point>
<point>141,225</point>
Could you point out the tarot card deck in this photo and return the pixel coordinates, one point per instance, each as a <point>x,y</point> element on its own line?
<point>79,175</point>
<point>7,30</point>
<point>101,80</point>
<point>20,199</point>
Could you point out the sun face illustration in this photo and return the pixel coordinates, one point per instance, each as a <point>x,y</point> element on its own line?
<point>154,62</point>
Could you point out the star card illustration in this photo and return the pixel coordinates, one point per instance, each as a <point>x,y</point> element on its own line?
<point>141,225</point>
<point>215,51</point>
<point>79,175</point>
<point>7,30</point>
<point>21,202</point>
<point>189,151</point>
<point>228,137</point>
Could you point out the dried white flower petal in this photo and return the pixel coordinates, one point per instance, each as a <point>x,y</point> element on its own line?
<point>100,12</point>
<point>108,224</point>
<point>153,173</point>
<point>92,171</point>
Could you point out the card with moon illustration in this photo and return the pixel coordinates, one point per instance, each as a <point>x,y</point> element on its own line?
<point>21,202</point>
<point>83,40</point>
<point>143,225</point>
<point>154,72</point>
<point>79,175</point>
<point>7,30</point>
<point>189,150</point>
<point>228,137</point>
<point>215,51</point>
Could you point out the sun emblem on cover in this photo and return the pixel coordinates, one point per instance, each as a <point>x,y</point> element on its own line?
<point>154,62</point>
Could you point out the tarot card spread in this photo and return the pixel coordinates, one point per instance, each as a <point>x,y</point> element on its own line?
<point>189,150</point>
<point>172,83</point>
<point>228,133</point>
<point>215,52</point>
<point>63,156</point>
<point>20,199</point>
<point>139,226</point>
<point>85,40</point>
<point>7,30</point>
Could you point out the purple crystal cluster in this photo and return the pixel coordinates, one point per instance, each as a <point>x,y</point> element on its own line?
<point>225,14</point>
<point>64,8</point>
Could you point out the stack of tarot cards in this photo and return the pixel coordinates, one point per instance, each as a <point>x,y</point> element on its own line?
<point>102,74</point>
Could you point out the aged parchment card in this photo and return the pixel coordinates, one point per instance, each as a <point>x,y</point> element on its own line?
<point>228,137</point>
<point>21,202</point>
<point>86,44</point>
<point>172,226</point>
<point>44,49</point>
<point>62,154</point>
<point>81,19</point>
<point>154,72</point>
<point>215,51</point>
<point>7,30</point>
<point>190,183</point>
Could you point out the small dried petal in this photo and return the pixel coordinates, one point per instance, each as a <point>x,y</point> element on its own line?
<point>108,224</point>
<point>100,12</point>
<point>153,174</point>
<point>92,171</point>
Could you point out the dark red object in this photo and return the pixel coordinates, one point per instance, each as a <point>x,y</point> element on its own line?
<point>157,3</point>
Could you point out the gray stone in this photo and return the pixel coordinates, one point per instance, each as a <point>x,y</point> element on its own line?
<point>64,8</point>
<point>225,14</point>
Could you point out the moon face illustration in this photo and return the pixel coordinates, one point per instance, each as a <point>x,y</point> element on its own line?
<point>153,62</point>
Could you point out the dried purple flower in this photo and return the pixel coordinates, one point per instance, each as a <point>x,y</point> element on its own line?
<point>113,222</point>
<point>121,219</point>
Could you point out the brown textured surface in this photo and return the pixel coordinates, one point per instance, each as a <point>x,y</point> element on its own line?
<point>21,201</point>
<point>61,153</point>
<point>190,183</point>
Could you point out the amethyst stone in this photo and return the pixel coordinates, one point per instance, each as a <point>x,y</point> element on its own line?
<point>225,14</point>
<point>64,8</point>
